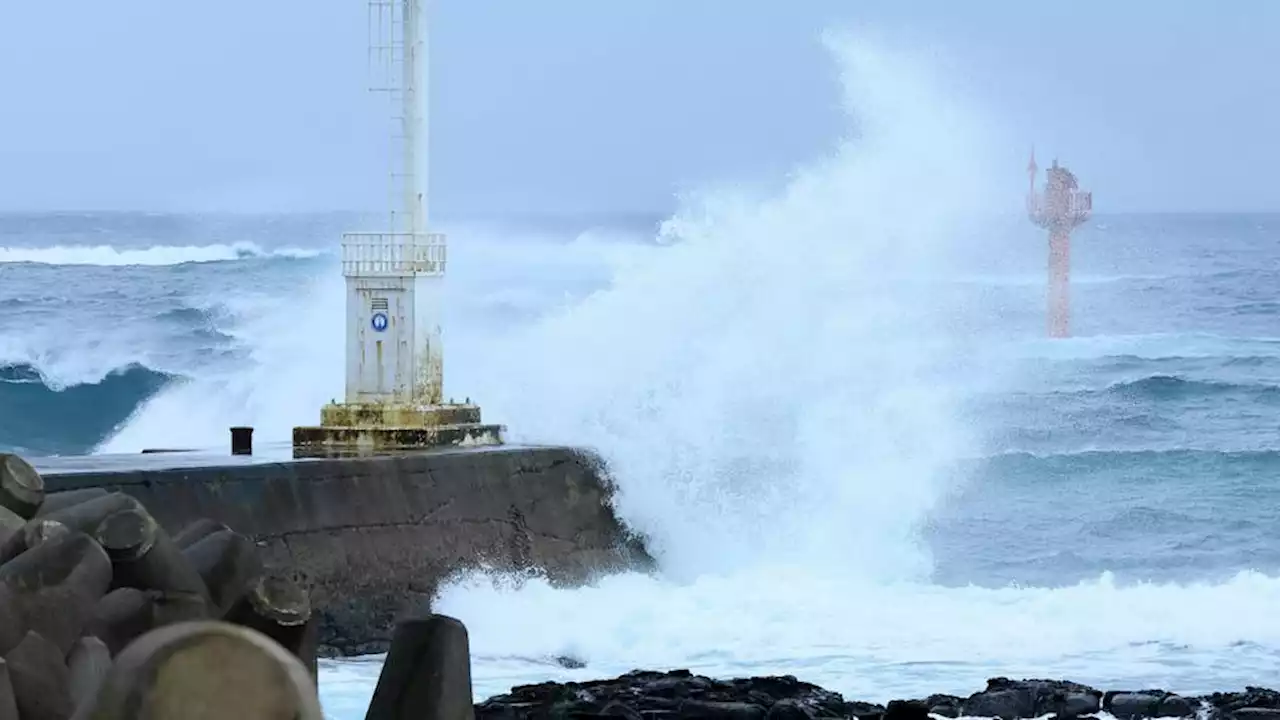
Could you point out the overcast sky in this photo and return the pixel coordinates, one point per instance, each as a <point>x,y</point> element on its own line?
<point>609,105</point>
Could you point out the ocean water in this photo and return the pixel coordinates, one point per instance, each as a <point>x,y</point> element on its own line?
<point>830,407</point>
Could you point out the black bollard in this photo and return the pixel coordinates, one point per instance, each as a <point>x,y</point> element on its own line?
<point>206,670</point>
<point>228,562</point>
<point>87,666</point>
<point>54,587</point>
<point>21,488</point>
<point>427,674</point>
<point>8,703</point>
<point>59,500</point>
<point>280,609</point>
<point>241,441</point>
<point>41,685</point>
<point>144,557</point>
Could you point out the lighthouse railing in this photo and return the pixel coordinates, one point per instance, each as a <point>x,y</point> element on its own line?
<point>393,254</point>
<point>1073,206</point>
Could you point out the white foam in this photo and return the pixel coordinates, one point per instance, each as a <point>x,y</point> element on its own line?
<point>776,374</point>
<point>155,255</point>
<point>876,641</point>
<point>774,394</point>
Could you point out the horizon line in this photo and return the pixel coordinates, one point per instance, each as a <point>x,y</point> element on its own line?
<point>496,213</point>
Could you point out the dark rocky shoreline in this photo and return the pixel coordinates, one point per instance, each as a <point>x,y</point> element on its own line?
<point>680,694</point>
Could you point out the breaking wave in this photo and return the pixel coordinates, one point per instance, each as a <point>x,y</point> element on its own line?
<point>107,255</point>
<point>39,416</point>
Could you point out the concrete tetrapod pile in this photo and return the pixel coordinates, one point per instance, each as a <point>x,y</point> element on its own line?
<point>104,616</point>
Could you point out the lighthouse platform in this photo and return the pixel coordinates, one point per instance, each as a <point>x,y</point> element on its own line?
<point>353,428</point>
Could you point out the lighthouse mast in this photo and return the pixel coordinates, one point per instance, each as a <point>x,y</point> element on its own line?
<point>1060,209</point>
<point>394,352</point>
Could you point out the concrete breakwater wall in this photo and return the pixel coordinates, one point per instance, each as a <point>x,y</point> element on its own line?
<point>371,538</point>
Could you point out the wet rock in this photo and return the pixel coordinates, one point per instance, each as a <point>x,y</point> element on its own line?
<point>616,709</point>
<point>680,694</point>
<point>1257,713</point>
<point>1251,698</point>
<point>944,705</point>
<point>1080,704</point>
<point>789,710</point>
<point>1177,706</point>
<point>1147,704</point>
<point>712,710</point>
<point>906,710</point>
<point>1009,699</point>
<point>1004,704</point>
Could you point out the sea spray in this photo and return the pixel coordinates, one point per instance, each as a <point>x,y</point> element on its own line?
<point>777,393</point>
<point>287,332</point>
<point>772,385</point>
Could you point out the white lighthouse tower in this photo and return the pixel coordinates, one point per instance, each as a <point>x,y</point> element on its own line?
<point>394,352</point>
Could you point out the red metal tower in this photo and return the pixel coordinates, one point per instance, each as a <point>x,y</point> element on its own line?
<point>1059,209</point>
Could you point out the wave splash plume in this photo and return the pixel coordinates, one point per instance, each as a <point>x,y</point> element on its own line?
<point>778,394</point>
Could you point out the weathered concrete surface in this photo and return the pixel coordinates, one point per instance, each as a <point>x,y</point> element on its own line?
<point>371,538</point>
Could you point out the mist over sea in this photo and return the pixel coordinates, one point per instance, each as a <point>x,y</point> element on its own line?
<point>831,410</point>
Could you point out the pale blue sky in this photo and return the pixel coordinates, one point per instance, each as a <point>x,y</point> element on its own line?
<point>609,105</point>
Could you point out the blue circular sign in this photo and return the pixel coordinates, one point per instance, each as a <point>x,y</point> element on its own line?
<point>379,321</point>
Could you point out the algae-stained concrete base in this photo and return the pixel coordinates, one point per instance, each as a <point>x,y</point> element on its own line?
<point>398,415</point>
<point>326,441</point>
<point>372,537</point>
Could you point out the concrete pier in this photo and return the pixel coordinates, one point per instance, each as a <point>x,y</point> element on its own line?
<point>371,538</point>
